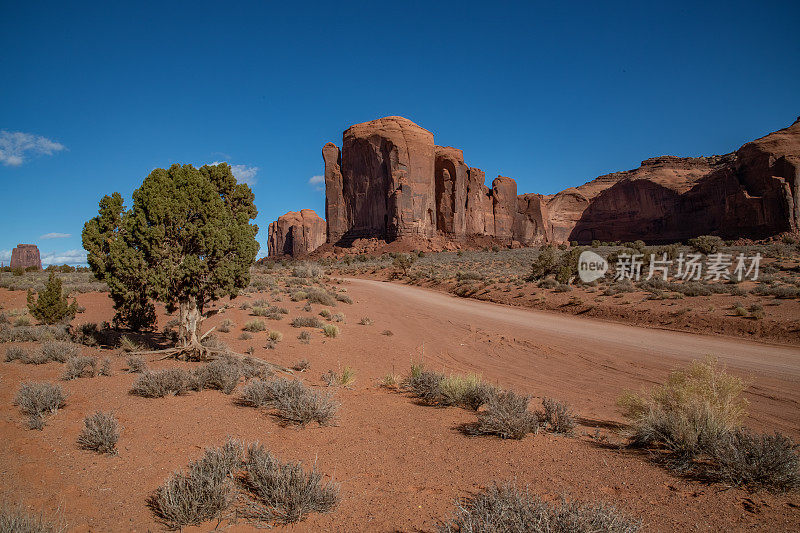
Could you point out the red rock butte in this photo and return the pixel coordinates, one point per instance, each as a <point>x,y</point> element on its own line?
<point>390,181</point>
<point>296,233</point>
<point>26,256</point>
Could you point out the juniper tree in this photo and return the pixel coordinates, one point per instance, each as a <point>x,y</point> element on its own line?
<point>188,234</point>
<point>120,265</point>
<point>51,306</point>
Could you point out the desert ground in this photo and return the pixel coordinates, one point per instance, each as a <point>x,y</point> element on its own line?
<point>400,464</point>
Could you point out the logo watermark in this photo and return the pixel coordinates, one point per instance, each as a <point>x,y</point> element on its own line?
<point>591,266</point>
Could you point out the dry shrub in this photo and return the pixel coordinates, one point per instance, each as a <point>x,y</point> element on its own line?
<point>100,433</point>
<point>105,369</point>
<point>755,461</point>
<point>292,400</point>
<point>434,388</point>
<point>508,509</point>
<point>80,366</point>
<point>254,326</point>
<point>319,296</point>
<point>365,321</point>
<point>19,520</point>
<point>225,372</point>
<point>136,364</point>
<point>425,385</point>
<point>556,417</point>
<point>694,408</point>
<point>302,365</point>
<point>306,322</point>
<point>507,416</point>
<point>163,382</point>
<point>201,492</point>
<point>284,492</point>
<point>38,399</point>
<point>17,353</point>
<point>58,351</point>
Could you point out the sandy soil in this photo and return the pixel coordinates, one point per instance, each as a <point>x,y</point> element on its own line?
<point>401,465</point>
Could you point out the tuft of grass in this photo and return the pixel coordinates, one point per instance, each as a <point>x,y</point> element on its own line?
<point>390,381</point>
<point>105,369</point>
<point>284,492</point>
<point>254,326</point>
<point>556,417</point>
<point>332,379</point>
<point>80,366</point>
<point>39,399</point>
<point>225,326</point>
<point>466,391</point>
<point>126,344</point>
<point>201,492</point>
<point>326,314</point>
<point>100,433</point>
<point>508,509</point>
<point>507,416</point>
<point>365,321</point>
<point>163,382</point>
<point>304,337</point>
<point>306,322</point>
<point>275,336</point>
<point>330,330</point>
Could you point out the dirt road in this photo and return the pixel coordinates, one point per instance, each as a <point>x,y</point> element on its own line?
<point>587,361</point>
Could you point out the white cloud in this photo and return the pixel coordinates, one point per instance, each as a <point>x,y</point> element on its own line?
<point>15,146</point>
<point>243,173</point>
<point>5,255</point>
<point>70,257</point>
<point>56,235</point>
<point>318,182</point>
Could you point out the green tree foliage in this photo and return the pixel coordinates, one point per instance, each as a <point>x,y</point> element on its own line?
<point>187,240</point>
<point>707,244</point>
<point>404,262</point>
<point>51,307</point>
<point>120,265</point>
<point>546,263</point>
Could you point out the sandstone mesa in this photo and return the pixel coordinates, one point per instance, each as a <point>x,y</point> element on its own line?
<point>390,181</point>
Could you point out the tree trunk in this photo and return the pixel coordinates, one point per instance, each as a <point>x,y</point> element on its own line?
<point>189,329</point>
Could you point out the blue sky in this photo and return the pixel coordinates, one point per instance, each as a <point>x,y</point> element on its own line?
<point>93,96</point>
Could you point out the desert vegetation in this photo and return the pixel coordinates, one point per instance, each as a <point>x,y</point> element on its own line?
<point>696,419</point>
<point>268,490</point>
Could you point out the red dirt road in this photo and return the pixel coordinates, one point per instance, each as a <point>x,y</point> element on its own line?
<point>588,361</point>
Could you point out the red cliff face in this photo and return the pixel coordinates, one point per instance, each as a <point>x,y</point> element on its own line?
<point>26,255</point>
<point>296,233</point>
<point>752,192</point>
<point>390,180</point>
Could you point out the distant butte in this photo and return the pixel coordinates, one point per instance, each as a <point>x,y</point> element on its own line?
<point>26,256</point>
<point>391,182</point>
